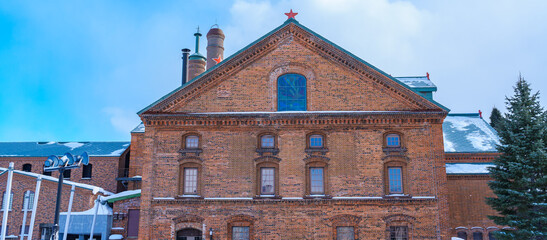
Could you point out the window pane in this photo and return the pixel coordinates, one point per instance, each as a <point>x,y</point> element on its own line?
<point>267,141</point>
<point>316,180</point>
<point>192,142</point>
<point>27,167</point>
<point>345,233</point>
<point>28,200</point>
<point>191,181</point>
<point>316,141</point>
<point>86,171</point>
<point>291,93</point>
<point>395,180</point>
<point>267,186</point>
<point>462,235</point>
<point>240,233</point>
<point>398,233</point>
<point>477,236</point>
<point>392,140</point>
<point>66,174</point>
<point>5,200</point>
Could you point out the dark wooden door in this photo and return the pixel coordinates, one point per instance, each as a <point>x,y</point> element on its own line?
<point>133,223</point>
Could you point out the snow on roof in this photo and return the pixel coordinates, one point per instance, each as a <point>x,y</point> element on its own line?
<point>93,188</point>
<point>468,168</point>
<point>122,195</point>
<point>44,149</point>
<point>139,129</point>
<point>468,133</point>
<point>104,209</point>
<point>419,82</point>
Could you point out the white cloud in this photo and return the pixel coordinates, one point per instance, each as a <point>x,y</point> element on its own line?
<point>122,120</point>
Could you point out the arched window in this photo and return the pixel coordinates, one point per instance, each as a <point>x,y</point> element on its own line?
<point>28,200</point>
<point>192,142</point>
<point>87,171</point>
<point>190,177</point>
<point>395,177</point>
<point>267,141</point>
<point>477,236</point>
<point>393,140</point>
<point>316,177</point>
<point>291,93</point>
<point>9,201</point>
<point>27,167</point>
<point>462,235</point>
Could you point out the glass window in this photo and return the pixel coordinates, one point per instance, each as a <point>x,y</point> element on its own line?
<point>491,236</point>
<point>395,179</point>
<point>398,233</point>
<point>87,170</point>
<point>345,233</point>
<point>192,141</point>
<point>393,140</point>
<point>291,93</point>
<point>28,200</point>
<point>190,181</point>
<point>240,233</point>
<point>477,236</point>
<point>5,201</point>
<point>26,230</point>
<point>27,167</point>
<point>316,141</point>
<point>316,180</point>
<point>462,235</point>
<point>267,141</point>
<point>267,181</point>
<point>66,173</point>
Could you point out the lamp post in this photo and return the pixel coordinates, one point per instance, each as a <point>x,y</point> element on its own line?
<point>66,162</point>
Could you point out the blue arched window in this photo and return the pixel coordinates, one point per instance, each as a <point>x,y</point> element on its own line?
<point>291,93</point>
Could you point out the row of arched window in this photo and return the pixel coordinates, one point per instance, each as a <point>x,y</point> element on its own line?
<point>28,200</point>
<point>87,171</point>
<point>476,235</point>
<point>267,167</point>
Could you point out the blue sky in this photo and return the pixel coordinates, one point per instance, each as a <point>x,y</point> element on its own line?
<point>80,70</point>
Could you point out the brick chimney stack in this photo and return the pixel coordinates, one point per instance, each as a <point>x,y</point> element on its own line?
<point>215,45</point>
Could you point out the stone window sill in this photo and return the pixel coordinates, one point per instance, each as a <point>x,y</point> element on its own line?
<point>267,197</point>
<point>317,196</point>
<point>189,197</point>
<point>184,151</point>
<point>397,196</point>
<point>273,151</point>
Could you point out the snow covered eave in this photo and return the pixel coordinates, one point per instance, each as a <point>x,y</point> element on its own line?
<point>122,196</point>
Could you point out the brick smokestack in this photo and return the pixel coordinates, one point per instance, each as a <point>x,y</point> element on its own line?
<point>215,45</point>
<point>185,53</point>
<point>196,64</point>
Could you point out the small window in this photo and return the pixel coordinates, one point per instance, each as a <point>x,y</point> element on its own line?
<point>267,141</point>
<point>462,235</point>
<point>317,181</point>
<point>477,236</point>
<point>491,236</point>
<point>5,201</point>
<point>27,167</point>
<point>316,141</point>
<point>26,230</point>
<point>345,233</point>
<point>267,181</point>
<point>393,140</point>
<point>28,200</point>
<point>47,173</point>
<point>192,141</point>
<point>395,176</point>
<point>191,181</point>
<point>240,233</point>
<point>87,171</point>
<point>66,173</point>
<point>398,233</point>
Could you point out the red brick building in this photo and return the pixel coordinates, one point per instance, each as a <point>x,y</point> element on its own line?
<point>293,138</point>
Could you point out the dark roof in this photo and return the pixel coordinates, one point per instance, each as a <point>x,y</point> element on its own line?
<point>468,133</point>
<point>44,149</point>
<point>287,22</point>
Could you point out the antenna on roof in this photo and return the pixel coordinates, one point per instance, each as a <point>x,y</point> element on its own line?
<point>427,74</point>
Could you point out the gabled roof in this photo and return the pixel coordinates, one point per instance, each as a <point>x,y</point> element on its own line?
<point>468,133</point>
<point>45,149</point>
<point>235,61</point>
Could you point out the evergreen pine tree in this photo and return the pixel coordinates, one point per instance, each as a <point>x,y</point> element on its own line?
<point>520,172</point>
<point>495,118</point>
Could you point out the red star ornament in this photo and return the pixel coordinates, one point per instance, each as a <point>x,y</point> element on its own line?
<point>291,14</point>
<point>217,60</point>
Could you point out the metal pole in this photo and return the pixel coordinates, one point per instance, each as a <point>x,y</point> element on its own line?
<point>34,204</point>
<point>69,210</point>
<point>55,232</point>
<point>25,209</point>
<point>95,217</point>
<point>7,201</point>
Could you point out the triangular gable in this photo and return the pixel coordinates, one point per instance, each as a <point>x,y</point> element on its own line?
<point>267,43</point>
